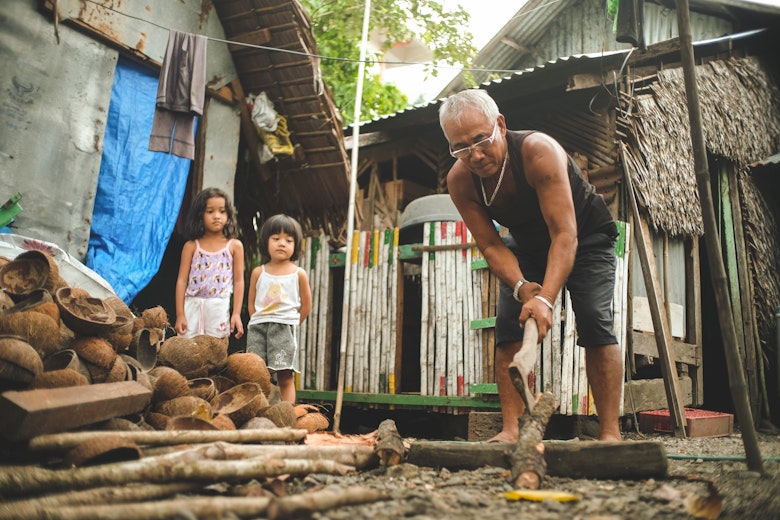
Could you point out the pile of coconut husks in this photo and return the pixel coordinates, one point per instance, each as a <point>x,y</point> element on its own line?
<point>99,407</point>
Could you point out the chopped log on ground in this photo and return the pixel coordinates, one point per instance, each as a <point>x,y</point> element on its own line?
<point>358,456</point>
<point>389,444</point>
<point>189,507</point>
<point>303,505</point>
<point>29,413</point>
<point>527,460</point>
<point>34,507</point>
<point>22,480</point>
<point>572,459</point>
<point>65,441</point>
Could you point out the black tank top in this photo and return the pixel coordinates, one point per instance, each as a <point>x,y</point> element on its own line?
<point>525,221</point>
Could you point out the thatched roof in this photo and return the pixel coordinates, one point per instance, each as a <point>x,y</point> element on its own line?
<point>312,186</point>
<point>739,105</point>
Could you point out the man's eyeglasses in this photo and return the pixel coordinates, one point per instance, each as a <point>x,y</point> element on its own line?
<point>462,153</point>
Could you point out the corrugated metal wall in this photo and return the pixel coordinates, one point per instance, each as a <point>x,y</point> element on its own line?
<point>54,100</point>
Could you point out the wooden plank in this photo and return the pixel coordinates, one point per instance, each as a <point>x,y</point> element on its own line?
<point>662,334</point>
<point>641,395</point>
<point>645,345</point>
<point>743,306</point>
<point>258,37</point>
<point>693,305</point>
<point>249,132</point>
<point>28,413</point>
<point>616,460</point>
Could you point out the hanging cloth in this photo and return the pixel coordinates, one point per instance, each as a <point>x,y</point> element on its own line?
<point>181,94</point>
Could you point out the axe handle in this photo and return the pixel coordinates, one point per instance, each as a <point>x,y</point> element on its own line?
<point>530,334</point>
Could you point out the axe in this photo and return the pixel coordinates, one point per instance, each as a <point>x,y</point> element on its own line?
<point>522,365</point>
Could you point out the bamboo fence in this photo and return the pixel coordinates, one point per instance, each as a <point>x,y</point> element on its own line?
<point>458,293</point>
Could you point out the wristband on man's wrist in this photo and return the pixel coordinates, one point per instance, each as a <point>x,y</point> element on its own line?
<point>516,290</point>
<point>544,301</point>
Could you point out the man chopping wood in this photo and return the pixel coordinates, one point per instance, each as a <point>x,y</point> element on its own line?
<point>560,232</point>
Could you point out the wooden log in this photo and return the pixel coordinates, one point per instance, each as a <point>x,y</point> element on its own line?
<point>34,507</point>
<point>527,460</point>
<point>303,505</point>
<point>572,459</point>
<point>389,444</point>
<point>21,481</point>
<point>188,507</point>
<point>63,441</point>
<point>47,410</point>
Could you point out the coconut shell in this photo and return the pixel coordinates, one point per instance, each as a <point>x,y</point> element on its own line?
<point>54,281</point>
<point>158,421</point>
<point>259,423</point>
<point>102,450</point>
<point>184,355</point>
<point>312,422</point>
<point>247,367</point>
<point>214,352</point>
<point>155,318</point>
<point>66,358</point>
<point>49,309</point>
<point>188,422</point>
<point>118,371</point>
<point>86,316</point>
<point>282,414</point>
<point>59,379</point>
<point>203,387</point>
<point>95,351</point>
<point>223,383</point>
<point>124,316</point>
<point>168,384</point>
<point>184,405</point>
<point>24,274</point>
<point>19,363</point>
<point>144,348</point>
<point>5,300</point>
<point>223,422</point>
<point>38,329</point>
<point>240,403</point>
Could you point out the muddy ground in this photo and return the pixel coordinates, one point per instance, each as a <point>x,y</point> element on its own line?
<point>707,478</point>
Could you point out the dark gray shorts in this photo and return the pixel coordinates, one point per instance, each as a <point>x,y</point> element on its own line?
<point>276,343</point>
<point>591,285</point>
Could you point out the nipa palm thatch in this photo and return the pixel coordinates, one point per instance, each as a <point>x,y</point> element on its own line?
<point>738,101</point>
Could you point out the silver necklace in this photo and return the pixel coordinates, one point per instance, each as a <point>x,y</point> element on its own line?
<point>495,191</point>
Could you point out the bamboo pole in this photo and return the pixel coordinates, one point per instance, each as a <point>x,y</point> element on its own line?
<point>424,316</point>
<point>725,317</point>
<point>351,213</point>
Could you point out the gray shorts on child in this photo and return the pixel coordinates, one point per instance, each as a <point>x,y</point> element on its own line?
<point>276,343</point>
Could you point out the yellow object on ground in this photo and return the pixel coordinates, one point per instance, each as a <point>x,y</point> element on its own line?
<point>540,494</point>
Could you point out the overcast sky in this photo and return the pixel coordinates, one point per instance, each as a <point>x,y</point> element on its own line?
<point>487,18</point>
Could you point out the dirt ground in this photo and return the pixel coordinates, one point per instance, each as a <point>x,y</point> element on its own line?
<point>707,478</point>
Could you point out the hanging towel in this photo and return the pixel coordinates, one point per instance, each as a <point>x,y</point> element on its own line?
<point>181,93</point>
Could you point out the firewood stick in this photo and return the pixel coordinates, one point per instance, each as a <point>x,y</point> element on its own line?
<point>190,507</point>
<point>528,466</point>
<point>65,441</point>
<point>34,507</point>
<point>20,481</point>
<point>356,455</point>
<point>389,444</point>
<point>303,505</point>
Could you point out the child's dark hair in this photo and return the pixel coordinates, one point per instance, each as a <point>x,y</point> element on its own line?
<point>280,224</point>
<point>195,228</point>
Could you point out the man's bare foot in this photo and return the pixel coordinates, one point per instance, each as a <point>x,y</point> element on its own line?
<point>504,437</point>
<point>610,438</point>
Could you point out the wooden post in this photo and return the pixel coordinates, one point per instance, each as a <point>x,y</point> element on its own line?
<point>660,324</point>
<point>718,274</point>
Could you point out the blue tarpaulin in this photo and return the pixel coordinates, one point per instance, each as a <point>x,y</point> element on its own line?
<point>139,192</point>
